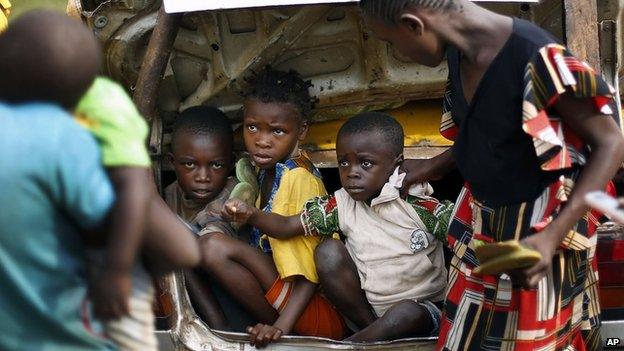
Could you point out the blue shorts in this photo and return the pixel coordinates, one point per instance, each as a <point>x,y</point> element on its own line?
<point>436,316</point>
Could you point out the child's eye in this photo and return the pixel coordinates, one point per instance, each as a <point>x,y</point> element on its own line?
<point>252,128</point>
<point>367,164</point>
<point>343,164</point>
<point>217,165</point>
<point>189,165</point>
<point>278,132</point>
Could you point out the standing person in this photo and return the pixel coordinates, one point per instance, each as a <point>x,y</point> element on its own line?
<point>120,287</point>
<point>139,221</point>
<point>524,114</point>
<point>54,186</point>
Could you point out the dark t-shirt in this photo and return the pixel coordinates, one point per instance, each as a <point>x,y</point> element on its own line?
<point>493,153</point>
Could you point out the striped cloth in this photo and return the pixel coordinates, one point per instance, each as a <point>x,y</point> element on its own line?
<point>490,312</point>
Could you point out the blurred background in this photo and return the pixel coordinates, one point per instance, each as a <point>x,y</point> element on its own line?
<point>20,6</point>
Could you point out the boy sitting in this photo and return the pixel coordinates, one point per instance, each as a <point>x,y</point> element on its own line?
<point>203,158</point>
<point>275,280</point>
<point>395,245</point>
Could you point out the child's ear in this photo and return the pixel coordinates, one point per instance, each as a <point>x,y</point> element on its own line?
<point>171,158</point>
<point>303,130</point>
<point>413,22</point>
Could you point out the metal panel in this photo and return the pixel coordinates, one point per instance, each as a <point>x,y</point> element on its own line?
<point>215,51</point>
<point>189,333</point>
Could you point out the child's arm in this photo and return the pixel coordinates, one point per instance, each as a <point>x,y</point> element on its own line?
<point>279,227</point>
<point>168,243</point>
<point>604,138</point>
<point>112,289</point>
<point>419,171</point>
<point>262,334</point>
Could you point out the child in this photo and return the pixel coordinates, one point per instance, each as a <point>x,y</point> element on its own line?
<point>276,280</point>
<point>109,114</point>
<point>54,186</point>
<point>391,241</point>
<point>524,114</point>
<point>203,158</point>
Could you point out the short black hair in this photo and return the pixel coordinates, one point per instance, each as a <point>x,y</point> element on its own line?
<point>387,10</point>
<point>49,57</point>
<point>376,122</point>
<point>203,121</point>
<point>271,85</point>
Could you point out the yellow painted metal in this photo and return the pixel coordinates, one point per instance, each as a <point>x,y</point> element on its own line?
<point>420,121</point>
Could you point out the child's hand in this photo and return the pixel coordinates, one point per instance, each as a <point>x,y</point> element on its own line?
<point>420,171</point>
<point>110,295</point>
<point>236,210</point>
<point>261,335</point>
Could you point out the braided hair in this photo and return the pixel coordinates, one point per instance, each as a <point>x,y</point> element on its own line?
<point>271,85</point>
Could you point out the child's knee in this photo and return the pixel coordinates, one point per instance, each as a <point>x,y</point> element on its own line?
<point>330,256</point>
<point>214,249</point>
<point>409,313</point>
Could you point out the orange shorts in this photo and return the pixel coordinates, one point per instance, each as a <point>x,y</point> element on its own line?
<point>318,319</point>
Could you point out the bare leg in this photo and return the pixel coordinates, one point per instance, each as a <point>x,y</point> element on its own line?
<point>340,281</point>
<point>205,303</point>
<point>404,319</point>
<point>246,273</point>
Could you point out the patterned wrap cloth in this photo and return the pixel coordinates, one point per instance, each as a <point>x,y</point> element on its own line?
<point>485,312</point>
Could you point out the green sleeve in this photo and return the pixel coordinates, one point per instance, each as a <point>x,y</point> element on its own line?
<point>320,216</point>
<point>435,215</point>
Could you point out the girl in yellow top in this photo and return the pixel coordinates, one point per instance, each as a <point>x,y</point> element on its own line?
<point>276,280</point>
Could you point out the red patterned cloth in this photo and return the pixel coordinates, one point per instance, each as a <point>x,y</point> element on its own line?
<point>489,312</point>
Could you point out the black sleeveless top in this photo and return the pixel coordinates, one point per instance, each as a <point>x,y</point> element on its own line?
<point>493,153</point>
